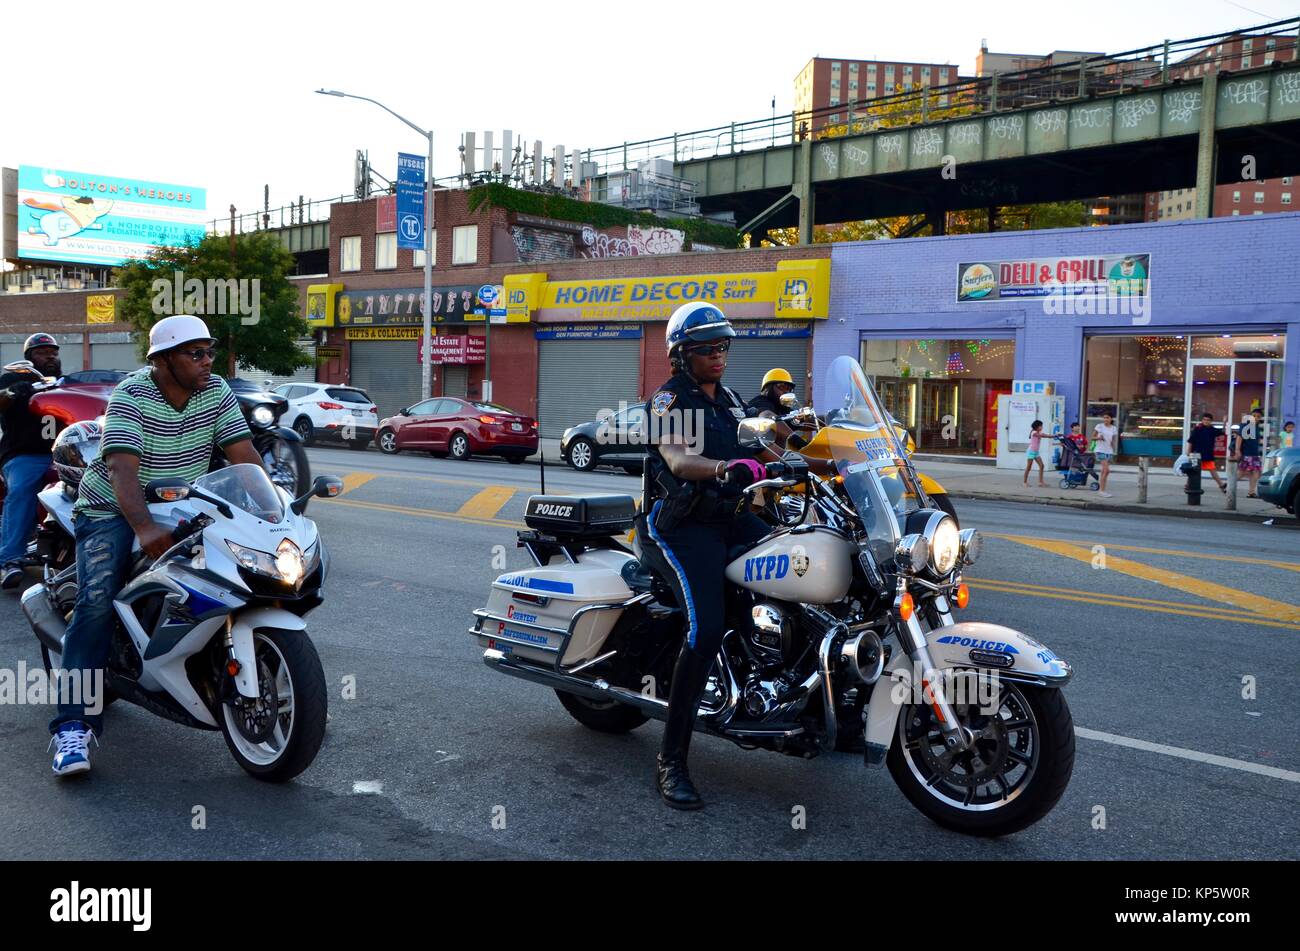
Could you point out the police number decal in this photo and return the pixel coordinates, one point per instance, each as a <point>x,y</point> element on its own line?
<point>662,401</point>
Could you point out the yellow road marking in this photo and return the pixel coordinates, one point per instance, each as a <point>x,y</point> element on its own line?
<point>1101,600</point>
<point>430,513</point>
<point>1176,552</point>
<point>355,480</point>
<point>1186,605</point>
<point>486,503</point>
<point>1265,607</point>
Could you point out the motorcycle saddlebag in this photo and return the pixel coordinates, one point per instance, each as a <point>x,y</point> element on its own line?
<point>575,516</point>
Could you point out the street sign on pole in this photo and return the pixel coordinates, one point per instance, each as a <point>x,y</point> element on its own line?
<point>410,201</point>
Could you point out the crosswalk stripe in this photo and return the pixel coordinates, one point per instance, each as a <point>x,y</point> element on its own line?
<point>355,480</point>
<point>487,502</point>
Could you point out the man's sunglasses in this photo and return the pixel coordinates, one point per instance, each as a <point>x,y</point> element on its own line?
<point>198,355</point>
<point>708,350</point>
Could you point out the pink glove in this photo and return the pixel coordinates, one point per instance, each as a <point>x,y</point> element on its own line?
<point>743,472</point>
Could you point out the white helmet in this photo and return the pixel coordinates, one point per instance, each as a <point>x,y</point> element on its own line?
<point>171,332</point>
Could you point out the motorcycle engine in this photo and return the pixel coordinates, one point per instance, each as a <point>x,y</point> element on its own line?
<point>772,635</point>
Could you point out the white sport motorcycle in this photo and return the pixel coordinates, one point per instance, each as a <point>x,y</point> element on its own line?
<point>840,631</point>
<point>211,635</point>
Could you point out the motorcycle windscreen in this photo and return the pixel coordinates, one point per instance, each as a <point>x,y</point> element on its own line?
<point>246,487</point>
<point>865,448</point>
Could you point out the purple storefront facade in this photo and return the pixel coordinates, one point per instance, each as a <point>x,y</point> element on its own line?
<point>1219,330</point>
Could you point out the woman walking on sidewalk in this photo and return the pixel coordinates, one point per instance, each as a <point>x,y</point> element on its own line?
<point>1035,452</point>
<point>1104,450</point>
<point>1250,448</point>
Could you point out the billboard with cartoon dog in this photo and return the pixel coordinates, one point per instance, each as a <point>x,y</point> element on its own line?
<point>102,219</point>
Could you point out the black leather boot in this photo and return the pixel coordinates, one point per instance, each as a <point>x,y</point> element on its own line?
<point>689,677</point>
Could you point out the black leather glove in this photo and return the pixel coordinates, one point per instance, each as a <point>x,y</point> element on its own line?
<point>22,390</point>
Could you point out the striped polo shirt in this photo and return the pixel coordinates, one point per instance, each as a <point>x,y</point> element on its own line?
<point>170,442</point>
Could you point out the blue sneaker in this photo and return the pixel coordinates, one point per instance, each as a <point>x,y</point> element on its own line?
<point>71,745</point>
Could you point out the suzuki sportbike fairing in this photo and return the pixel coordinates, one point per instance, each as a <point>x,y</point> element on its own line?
<point>841,633</point>
<point>212,634</point>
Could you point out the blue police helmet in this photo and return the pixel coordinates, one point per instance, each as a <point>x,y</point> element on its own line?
<point>696,322</point>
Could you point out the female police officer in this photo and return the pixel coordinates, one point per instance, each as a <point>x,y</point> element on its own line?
<point>696,469</point>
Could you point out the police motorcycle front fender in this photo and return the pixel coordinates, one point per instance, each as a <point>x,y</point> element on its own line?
<point>992,651</point>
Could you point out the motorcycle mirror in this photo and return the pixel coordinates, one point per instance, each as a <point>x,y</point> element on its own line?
<point>756,431</point>
<point>327,487</point>
<point>167,490</point>
<point>789,401</point>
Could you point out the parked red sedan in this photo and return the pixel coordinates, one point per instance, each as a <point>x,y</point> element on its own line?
<point>447,426</point>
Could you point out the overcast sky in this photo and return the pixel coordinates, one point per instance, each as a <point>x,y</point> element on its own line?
<point>219,95</point>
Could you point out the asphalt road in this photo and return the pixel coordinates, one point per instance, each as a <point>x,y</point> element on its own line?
<point>435,747</point>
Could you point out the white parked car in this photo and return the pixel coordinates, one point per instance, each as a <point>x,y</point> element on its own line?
<point>330,411</point>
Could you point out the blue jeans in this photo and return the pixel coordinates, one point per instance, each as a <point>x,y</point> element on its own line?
<point>23,478</point>
<point>103,560</point>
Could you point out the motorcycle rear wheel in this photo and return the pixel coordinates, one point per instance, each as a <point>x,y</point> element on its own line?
<point>1030,737</point>
<point>290,660</point>
<point>608,716</point>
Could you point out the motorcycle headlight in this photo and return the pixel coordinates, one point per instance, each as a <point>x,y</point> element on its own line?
<point>945,544</point>
<point>972,544</point>
<point>288,561</point>
<point>285,565</point>
<point>263,416</point>
<point>912,553</point>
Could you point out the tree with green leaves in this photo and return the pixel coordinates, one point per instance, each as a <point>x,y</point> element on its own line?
<point>239,287</point>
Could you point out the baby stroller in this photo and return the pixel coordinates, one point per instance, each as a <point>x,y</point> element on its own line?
<point>1075,465</point>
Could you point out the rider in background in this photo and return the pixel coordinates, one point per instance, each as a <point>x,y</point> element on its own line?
<point>24,450</point>
<point>776,383</point>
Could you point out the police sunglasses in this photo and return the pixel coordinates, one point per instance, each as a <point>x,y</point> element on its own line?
<point>708,350</point>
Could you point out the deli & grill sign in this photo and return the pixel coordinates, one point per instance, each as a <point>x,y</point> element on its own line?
<point>1094,275</point>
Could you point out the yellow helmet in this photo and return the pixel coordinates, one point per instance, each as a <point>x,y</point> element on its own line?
<point>776,375</point>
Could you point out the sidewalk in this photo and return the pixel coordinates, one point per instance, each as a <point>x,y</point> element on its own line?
<point>973,479</point>
<point>1165,495</point>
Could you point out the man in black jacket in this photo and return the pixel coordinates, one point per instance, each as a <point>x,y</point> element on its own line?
<point>24,450</point>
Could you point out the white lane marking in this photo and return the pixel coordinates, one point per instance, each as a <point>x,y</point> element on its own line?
<point>1272,772</point>
<point>367,787</point>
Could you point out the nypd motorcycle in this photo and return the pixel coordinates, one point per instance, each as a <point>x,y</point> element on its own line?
<point>841,630</point>
<point>212,634</point>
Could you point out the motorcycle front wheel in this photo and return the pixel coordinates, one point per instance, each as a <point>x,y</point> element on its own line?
<point>277,735</point>
<point>1012,776</point>
<point>287,465</point>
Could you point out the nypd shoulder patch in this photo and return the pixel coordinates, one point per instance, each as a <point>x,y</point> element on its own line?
<point>662,402</point>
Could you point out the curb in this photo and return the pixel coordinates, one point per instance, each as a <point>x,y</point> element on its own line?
<point>1125,508</point>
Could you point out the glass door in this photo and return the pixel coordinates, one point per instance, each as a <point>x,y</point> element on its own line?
<point>1273,403</point>
<point>1210,390</point>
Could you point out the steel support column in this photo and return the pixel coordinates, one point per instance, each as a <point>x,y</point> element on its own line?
<point>1206,147</point>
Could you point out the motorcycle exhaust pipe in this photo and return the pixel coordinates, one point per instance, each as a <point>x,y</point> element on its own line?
<point>45,621</point>
<point>653,707</point>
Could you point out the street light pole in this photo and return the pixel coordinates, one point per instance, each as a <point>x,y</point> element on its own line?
<point>426,369</point>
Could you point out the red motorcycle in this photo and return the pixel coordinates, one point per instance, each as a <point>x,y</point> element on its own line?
<point>65,403</point>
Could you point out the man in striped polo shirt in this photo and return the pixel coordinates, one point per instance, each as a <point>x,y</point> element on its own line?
<point>162,421</point>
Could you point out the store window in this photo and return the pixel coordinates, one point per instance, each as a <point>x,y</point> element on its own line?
<point>350,253</point>
<point>1143,381</point>
<point>417,257</point>
<point>386,251</point>
<point>464,244</point>
<point>944,391</point>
